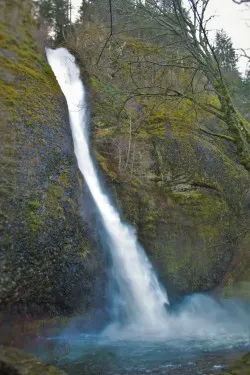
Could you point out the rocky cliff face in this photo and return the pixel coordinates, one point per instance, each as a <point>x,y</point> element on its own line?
<point>194,222</point>
<point>183,189</point>
<point>47,259</point>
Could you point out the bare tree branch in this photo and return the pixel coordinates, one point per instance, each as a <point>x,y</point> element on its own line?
<point>244,53</point>
<point>223,136</point>
<point>111,32</point>
<point>241,1</point>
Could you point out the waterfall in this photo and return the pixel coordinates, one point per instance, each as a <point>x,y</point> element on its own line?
<point>141,298</point>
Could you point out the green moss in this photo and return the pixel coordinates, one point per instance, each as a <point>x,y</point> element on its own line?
<point>9,93</point>
<point>34,220</point>
<point>63,180</point>
<point>56,195</point>
<point>27,60</point>
<point>106,166</point>
<point>14,361</point>
<point>34,205</point>
<point>21,70</point>
<point>7,40</point>
<point>150,216</point>
<point>25,89</point>
<point>246,162</point>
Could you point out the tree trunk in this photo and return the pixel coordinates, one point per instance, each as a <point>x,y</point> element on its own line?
<point>237,125</point>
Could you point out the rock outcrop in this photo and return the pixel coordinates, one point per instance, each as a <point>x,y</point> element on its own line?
<point>15,362</point>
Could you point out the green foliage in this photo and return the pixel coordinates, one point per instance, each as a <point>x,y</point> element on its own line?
<point>225,52</point>
<point>58,14</point>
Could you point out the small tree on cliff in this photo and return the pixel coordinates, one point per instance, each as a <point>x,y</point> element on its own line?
<point>225,52</point>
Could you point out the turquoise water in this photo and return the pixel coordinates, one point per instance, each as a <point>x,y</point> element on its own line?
<point>201,336</point>
<point>92,355</point>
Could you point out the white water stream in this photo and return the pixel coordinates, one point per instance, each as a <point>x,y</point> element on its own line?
<point>141,298</point>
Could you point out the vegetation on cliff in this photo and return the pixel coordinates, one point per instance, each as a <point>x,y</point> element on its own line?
<point>173,164</point>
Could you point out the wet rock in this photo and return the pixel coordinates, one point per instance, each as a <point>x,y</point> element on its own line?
<point>15,362</point>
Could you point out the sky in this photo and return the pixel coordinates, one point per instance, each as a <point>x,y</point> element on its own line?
<point>233,18</point>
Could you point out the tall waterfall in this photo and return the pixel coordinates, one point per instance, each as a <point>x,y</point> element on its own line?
<point>141,298</point>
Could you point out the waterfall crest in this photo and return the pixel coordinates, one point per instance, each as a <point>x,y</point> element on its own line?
<point>141,298</point>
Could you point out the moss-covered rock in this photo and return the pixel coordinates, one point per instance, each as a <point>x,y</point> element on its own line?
<point>47,258</point>
<point>192,222</point>
<point>241,367</point>
<point>15,362</point>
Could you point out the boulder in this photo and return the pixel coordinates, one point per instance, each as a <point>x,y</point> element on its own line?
<point>16,362</point>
